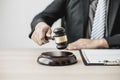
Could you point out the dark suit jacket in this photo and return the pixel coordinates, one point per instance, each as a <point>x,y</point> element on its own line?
<point>75,15</point>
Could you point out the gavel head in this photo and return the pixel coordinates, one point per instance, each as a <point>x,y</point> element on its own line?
<point>60,38</point>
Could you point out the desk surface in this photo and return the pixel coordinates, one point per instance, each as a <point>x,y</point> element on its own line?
<point>21,64</point>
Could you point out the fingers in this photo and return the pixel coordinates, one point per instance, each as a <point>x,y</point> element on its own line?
<point>40,34</point>
<point>77,45</point>
<point>39,39</point>
<point>72,47</point>
<point>48,34</point>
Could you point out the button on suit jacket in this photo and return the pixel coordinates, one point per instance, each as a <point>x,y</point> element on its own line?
<point>74,14</point>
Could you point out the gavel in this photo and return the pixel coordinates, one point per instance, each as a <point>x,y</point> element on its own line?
<point>58,58</point>
<point>60,38</point>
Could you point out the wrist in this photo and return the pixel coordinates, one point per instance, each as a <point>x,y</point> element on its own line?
<point>103,43</point>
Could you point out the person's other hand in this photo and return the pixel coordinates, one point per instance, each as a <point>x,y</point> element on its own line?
<point>42,33</point>
<point>88,44</point>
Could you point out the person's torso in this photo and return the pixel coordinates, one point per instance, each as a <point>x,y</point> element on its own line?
<point>76,18</point>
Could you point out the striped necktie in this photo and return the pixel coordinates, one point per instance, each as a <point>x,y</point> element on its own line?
<point>98,27</point>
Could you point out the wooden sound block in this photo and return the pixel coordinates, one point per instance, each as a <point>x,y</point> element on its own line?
<point>57,58</point>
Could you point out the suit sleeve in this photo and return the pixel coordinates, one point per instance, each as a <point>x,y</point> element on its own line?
<point>114,41</point>
<point>52,13</point>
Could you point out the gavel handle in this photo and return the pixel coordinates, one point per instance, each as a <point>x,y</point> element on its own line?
<point>50,38</point>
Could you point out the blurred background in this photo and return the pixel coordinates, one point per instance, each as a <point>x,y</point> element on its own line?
<point>15,19</point>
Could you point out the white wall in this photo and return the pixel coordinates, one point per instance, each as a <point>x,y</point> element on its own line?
<point>15,19</point>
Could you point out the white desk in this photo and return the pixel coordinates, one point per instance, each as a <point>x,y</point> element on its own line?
<point>20,64</point>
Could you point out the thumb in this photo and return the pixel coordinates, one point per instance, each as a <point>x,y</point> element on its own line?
<point>48,34</point>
